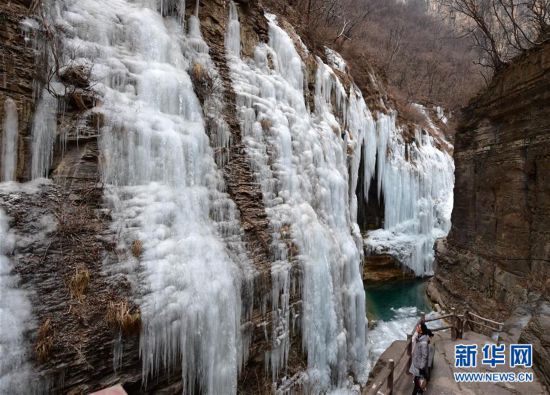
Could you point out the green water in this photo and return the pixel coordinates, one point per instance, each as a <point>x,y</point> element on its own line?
<point>381,298</point>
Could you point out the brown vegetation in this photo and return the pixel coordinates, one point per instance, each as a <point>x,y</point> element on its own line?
<point>415,51</point>
<point>44,341</point>
<point>198,72</point>
<point>123,318</point>
<point>266,124</point>
<point>501,29</point>
<point>137,247</point>
<point>204,84</point>
<point>78,283</point>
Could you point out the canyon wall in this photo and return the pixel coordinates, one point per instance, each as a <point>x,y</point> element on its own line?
<point>497,255</point>
<point>180,214</point>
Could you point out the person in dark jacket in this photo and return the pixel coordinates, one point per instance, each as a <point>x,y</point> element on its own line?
<point>420,356</point>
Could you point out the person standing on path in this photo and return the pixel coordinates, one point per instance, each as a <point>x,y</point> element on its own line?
<point>420,356</point>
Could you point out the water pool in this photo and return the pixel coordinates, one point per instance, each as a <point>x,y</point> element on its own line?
<point>393,309</point>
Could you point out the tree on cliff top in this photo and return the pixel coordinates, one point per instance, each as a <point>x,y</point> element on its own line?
<point>501,29</point>
<point>418,53</point>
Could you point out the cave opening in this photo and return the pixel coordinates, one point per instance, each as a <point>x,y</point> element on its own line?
<point>370,208</point>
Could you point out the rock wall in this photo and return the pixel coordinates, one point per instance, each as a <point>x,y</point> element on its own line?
<point>17,73</point>
<point>497,255</point>
<point>87,320</point>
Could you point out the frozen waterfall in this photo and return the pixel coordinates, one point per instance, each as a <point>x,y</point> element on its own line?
<point>308,164</point>
<point>161,148</point>
<point>8,160</point>
<point>165,188</point>
<point>416,181</point>
<point>15,313</point>
<point>301,164</point>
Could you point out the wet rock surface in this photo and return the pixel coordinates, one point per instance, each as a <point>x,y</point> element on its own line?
<point>384,268</point>
<point>537,333</point>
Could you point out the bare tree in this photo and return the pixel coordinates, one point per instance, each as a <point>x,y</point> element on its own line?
<point>540,17</point>
<point>394,44</point>
<point>420,56</point>
<point>344,15</point>
<point>501,29</point>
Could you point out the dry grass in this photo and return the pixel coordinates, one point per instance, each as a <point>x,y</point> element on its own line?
<point>121,317</point>
<point>72,221</point>
<point>44,341</point>
<point>266,124</point>
<point>270,63</point>
<point>78,283</point>
<point>412,114</point>
<point>137,248</point>
<point>204,84</point>
<point>199,73</point>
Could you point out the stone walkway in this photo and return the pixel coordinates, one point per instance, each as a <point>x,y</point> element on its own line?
<point>442,381</point>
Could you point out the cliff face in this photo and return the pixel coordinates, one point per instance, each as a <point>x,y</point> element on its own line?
<point>17,72</point>
<point>199,218</point>
<point>497,255</point>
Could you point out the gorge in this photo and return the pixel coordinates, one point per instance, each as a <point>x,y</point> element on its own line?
<point>189,193</point>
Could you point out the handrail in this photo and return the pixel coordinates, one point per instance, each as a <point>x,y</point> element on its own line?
<point>376,387</point>
<point>438,318</point>
<point>442,328</point>
<point>485,319</point>
<point>485,326</point>
<point>497,326</point>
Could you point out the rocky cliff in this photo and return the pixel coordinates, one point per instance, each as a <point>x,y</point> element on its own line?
<point>497,255</point>
<point>188,221</point>
<point>17,71</point>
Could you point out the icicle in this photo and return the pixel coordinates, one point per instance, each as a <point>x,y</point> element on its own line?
<point>44,130</point>
<point>417,194</point>
<point>172,7</point>
<point>233,34</point>
<point>8,161</point>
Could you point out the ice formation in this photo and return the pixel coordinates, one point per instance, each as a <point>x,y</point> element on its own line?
<point>15,318</point>
<point>416,180</point>
<point>301,162</point>
<point>162,181</point>
<point>308,164</point>
<point>335,60</point>
<point>44,131</point>
<point>8,160</point>
<point>164,187</point>
<point>385,333</point>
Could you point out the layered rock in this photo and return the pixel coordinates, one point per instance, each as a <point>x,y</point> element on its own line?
<point>138,109</point>
<point>17,72</point>
<point>497,255</point>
